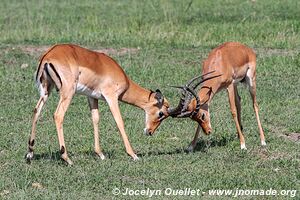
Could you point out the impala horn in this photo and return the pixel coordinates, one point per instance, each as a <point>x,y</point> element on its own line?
<point>188,92</point>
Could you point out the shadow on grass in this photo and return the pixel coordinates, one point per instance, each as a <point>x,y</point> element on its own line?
<point>56,156</point>
<point>47,156</point>
<point>202,146</point>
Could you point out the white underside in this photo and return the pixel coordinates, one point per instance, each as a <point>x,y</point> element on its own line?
<point>248,76</point>
<point>249,80</point>
<point>84,90</point>
<point>237,80</point>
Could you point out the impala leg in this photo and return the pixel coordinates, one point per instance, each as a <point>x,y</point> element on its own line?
<point>231,96</point>
<point>115,110</point>
<point>252,89</point>
<point>59,114</point>
<point>237,99</point>
<point>93,103</point>
<point>36,113</point>
<point>195,140</point>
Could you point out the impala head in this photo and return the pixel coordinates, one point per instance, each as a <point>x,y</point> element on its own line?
<point>196,110</point>
<point>156,111</point>
<point>203,118</point>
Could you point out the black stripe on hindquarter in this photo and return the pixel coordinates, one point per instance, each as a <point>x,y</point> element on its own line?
<point>52,67</point>
<point>37,72</point>
<point>46,70</point>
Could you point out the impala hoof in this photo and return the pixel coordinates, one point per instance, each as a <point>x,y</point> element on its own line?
<point>190,149</point>
<point>29,157</point>
<point>100,155</point>
<point>135,157</point>
<point>243,147</point>
<point>68,161</point>
<point>263,143</point>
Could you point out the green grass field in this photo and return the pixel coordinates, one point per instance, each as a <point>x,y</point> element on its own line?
<point>158,43</point>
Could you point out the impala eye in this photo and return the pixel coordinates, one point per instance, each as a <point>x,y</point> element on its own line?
<point>160,114</point>
<point>203,117</point>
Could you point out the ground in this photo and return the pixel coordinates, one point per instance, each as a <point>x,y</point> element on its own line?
<point>158,43</point>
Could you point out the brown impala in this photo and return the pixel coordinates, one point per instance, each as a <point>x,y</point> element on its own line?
<point>229,64</point>
<point>72,69</point>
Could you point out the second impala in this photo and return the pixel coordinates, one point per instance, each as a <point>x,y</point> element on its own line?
<point>72,69</point>
<point>230,64</point>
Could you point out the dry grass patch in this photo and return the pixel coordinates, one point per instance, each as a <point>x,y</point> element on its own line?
<point>39,50</point>
<point>268,52</point>
<point>295,137</point>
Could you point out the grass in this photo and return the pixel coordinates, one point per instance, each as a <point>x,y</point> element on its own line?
<point>172,37</point>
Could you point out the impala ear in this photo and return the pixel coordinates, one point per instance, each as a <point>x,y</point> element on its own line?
<point>159,97</point>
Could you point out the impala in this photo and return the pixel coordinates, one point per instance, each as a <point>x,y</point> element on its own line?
<point>229,64</point>
<point>72,69</point>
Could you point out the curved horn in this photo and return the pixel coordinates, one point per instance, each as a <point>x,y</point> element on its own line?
<point>173,112</point>
<point>194,112</point>
<point>197,77</point>
<point>206,79</point>
<point>181,110</point>
<point>186,97</point>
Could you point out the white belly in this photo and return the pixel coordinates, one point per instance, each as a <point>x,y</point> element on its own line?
<point>84,90</point>
<point>237,80</point>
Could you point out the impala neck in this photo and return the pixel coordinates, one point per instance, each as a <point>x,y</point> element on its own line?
<point>136,95</point>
